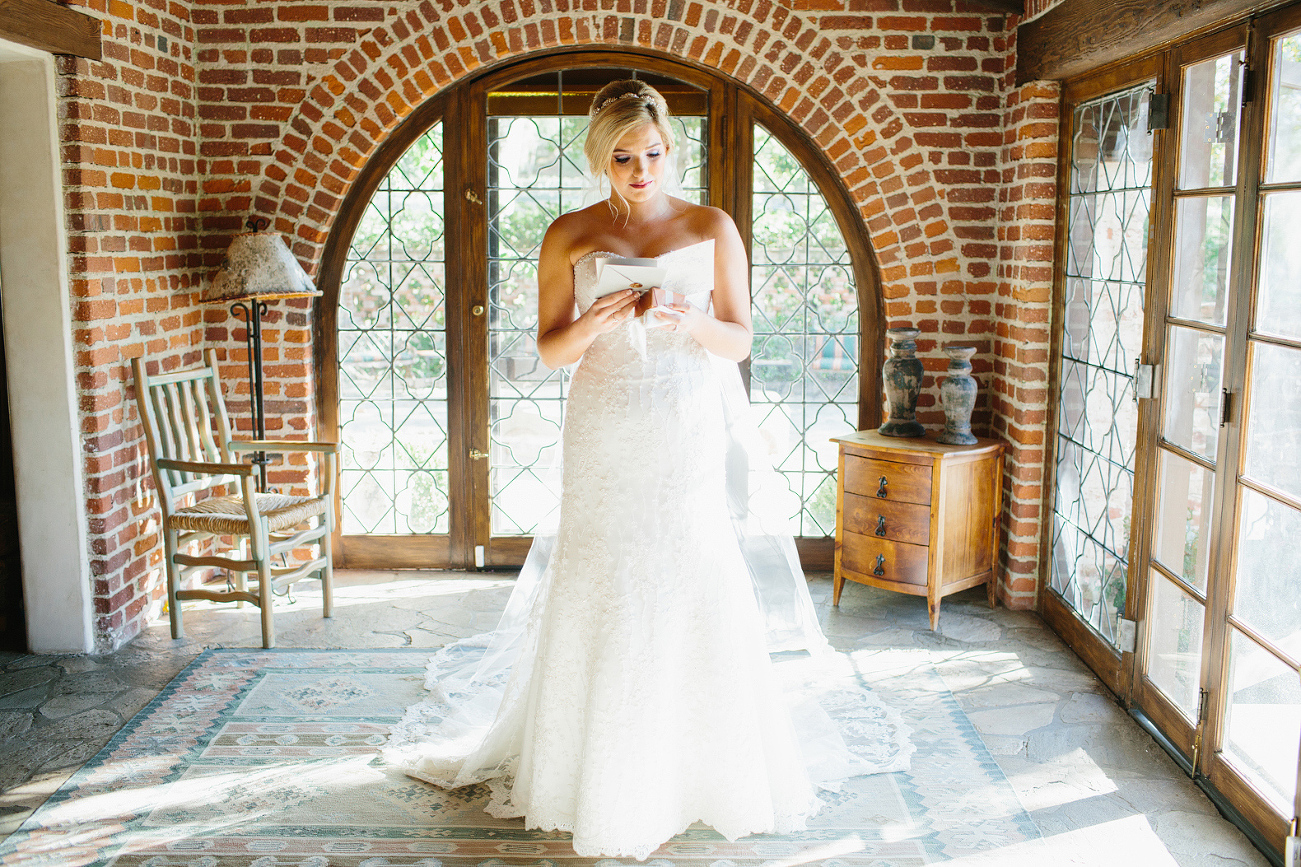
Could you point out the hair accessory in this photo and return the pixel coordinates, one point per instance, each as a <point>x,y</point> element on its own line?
<point>600,107</point>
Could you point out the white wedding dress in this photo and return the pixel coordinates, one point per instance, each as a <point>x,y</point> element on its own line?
<point>629,690</point>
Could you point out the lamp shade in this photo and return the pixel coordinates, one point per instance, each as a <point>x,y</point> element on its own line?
<point>258,265</point>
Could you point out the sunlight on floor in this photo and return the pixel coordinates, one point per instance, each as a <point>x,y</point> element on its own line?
<point>353,594</point>
<point>819,854</point>
<point>1121,842</point>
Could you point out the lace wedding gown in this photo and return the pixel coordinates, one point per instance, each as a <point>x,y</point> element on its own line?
<point>628,691</point>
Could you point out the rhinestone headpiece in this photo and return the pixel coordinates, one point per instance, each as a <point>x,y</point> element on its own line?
<point>602,106</point>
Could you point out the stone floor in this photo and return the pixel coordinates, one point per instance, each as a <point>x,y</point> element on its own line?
<point>1100,790</point>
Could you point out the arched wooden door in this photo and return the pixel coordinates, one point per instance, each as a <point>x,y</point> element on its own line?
<point>430,378</point>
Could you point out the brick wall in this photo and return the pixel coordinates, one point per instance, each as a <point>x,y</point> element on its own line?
<point>273,108</point>
<point>1027,218</point>
<point>1035,8</point>
<point>129,148</point>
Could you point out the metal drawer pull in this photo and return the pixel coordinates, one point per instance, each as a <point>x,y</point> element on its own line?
<point>880,525</point>
<point>880,565</point>
<point>881,492</point>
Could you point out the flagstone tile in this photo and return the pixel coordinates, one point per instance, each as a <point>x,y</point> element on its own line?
<point>1087,708</point>
<point>28,699</point>
<point>1005,693</point>
<point>968,629</point>
<point>1003,745</point>
<point>24,661</point>
<point>14,723</point>
<point>24,679</point>
<point>1123,750</point>
<point>1019,720</point>
<point>66,705</point>
<point>1189,834</point>
<point>78,664</point>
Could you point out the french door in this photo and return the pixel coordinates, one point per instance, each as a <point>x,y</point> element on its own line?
<point>1211,601</point>
<point>430,379</point>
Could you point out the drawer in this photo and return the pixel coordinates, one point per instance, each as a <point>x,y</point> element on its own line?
<point>888,480</point>
<point>887,519</point>
<point>883,559</point>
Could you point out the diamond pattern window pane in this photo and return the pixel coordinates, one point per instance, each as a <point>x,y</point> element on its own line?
<point>804,366</point>
<point>536,172</point>
<point>1106,265</point>
<point>393,354</point>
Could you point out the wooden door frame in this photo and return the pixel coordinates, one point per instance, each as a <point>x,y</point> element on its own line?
<point>1232,793</point>
<point>1219,774</point>
<point>1113,668</point>
<point>732,106</point>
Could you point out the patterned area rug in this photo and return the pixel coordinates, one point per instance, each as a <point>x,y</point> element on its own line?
<point>269,759</point>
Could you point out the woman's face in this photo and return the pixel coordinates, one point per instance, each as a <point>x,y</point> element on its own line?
<point>638,163</point>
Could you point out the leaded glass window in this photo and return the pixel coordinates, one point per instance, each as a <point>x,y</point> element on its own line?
<point>804,366</point>
<point>1105,275</point>
<point>393,354</point>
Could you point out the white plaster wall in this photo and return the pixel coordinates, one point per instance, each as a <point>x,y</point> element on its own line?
<point>38,354</point>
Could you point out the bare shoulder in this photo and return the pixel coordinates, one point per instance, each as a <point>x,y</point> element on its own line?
<point>568,234</point>
<point>707,222</point>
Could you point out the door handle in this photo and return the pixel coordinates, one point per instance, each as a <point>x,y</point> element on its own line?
<point>476,455</point>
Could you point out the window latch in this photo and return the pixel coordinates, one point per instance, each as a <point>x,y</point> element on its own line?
<point>1226,406</point>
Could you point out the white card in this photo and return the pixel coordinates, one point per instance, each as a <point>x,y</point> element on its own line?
<point>616,275</point>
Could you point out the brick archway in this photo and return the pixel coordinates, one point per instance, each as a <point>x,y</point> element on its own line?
<point>911,212</point>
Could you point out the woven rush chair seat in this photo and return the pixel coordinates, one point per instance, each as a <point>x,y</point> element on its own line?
<point>264,542</point>
<point>224,516</point>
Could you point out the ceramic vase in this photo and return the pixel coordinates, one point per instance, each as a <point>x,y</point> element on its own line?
<point>902,377</point>
<point>958,395</point>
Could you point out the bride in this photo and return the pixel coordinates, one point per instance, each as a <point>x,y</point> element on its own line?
<point>628,691</point>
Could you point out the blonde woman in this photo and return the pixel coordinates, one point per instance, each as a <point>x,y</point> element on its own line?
<point>629,691</point>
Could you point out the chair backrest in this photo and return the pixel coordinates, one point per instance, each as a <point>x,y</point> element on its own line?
<point>185,419</point>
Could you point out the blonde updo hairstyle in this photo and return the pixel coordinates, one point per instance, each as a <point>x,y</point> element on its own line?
<point>618,109</point>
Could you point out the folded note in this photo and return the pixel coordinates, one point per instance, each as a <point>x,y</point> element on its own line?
<point>647,277</point>
<point>615,275</point>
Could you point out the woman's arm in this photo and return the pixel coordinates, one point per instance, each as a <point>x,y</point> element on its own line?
<point>563,337</point>
<point>727,332</point>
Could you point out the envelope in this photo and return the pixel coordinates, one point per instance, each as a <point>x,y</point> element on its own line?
<point>615,275</point>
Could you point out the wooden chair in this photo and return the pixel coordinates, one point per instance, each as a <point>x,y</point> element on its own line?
<point>191,452</point>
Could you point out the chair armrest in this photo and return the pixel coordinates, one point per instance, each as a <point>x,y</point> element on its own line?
<point>282,446</point>
<point>205,467</point>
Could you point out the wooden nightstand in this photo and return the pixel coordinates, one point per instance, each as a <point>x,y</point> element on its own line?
<point>917,517</point>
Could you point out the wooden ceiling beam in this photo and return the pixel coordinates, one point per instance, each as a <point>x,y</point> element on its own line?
<point>1079,36</point>
<point>46,25</point>
<point>1000,7</point>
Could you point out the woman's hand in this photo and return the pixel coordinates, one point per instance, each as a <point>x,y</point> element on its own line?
<point>610,311</point>
<point>680,316</point>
